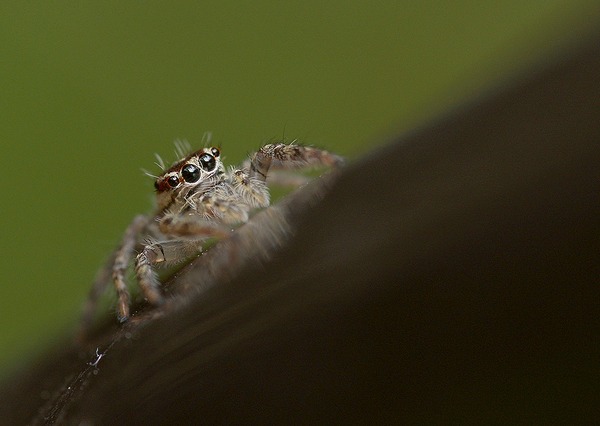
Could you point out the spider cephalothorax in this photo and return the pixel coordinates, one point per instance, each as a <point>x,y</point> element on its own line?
<point>188,174</point>
<point>198,199</point>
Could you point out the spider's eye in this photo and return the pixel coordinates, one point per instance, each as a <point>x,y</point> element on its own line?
<point>173,181</point>
<point>207,162</point>
<point>190,173</point>
<point>215,152</point>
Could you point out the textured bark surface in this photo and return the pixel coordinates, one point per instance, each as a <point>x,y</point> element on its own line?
<point>451,275</point>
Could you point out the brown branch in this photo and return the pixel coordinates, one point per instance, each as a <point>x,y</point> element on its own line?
<point>450,275</point>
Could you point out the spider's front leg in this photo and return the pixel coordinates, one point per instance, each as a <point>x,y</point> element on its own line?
<point>187,233</point>
<point>121,262</point>
<point>289,156</point>
<point>157,253</point>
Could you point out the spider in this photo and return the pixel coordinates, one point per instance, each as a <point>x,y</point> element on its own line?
<point>198,199</point>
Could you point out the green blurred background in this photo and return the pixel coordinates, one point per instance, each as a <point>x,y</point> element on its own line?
<point>90,90</point>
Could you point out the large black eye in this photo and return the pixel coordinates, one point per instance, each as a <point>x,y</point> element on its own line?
<point>173,181</point>
<point>190,173</point>
<point>215,152</point>
<point>207,162</point>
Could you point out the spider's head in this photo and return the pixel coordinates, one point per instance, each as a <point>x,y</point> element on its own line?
<point>187,173</point>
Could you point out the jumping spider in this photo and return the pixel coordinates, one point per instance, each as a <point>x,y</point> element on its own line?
<point>197,199</point>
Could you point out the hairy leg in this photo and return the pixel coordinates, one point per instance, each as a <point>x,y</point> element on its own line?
<point>122,258</point>
<point>193,229</point>
<point>289,156</point>
<point>156,253</point>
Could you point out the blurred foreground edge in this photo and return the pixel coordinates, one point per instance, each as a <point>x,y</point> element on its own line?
<point>450,276</point>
